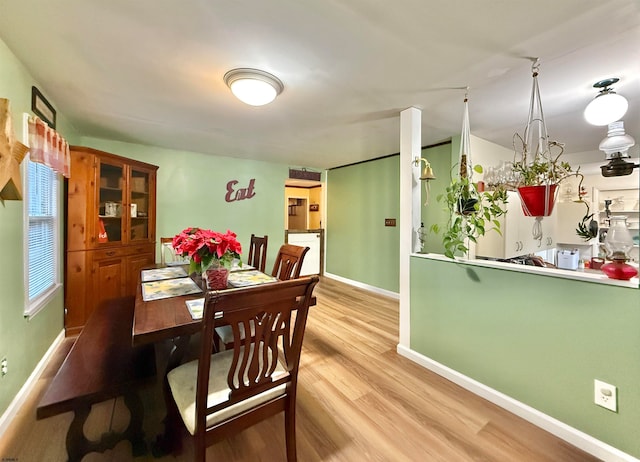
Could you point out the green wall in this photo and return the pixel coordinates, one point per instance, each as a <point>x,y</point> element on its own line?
<point>22,341</point>
<point>541,340</point>
<point>359,246</point>
<point>190,192</point>
<point>435,212</point>
<point>191,189</point>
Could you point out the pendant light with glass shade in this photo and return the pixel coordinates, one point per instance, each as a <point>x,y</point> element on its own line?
<point>608,106</point>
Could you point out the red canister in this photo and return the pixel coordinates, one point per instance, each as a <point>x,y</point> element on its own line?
<point>596,263</point>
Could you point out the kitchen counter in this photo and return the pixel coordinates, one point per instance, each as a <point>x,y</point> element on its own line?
<point>588,275</point>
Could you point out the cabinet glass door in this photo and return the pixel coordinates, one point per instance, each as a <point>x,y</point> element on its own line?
<point>110,223</point>
<point>139,205</point>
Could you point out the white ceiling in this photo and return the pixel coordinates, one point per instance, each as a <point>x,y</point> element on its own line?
<point>151,72</point>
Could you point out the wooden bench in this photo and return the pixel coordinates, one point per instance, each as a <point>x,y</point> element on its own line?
<point>102,365</point>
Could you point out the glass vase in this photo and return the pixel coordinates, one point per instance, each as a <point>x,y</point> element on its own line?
<point>216,276</point>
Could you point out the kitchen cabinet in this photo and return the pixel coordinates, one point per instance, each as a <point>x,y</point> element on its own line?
<point>110,232</point>
<point>569,216</point>
<point>521,235</point>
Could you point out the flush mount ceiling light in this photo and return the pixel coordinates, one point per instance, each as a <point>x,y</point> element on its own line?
<point>253,86</point>
<point>607,106</point>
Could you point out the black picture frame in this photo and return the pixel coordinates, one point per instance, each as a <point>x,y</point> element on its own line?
<point>42,108</point>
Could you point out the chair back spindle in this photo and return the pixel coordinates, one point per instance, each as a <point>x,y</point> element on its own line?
<point>258,252</point>
<point>168,254</point>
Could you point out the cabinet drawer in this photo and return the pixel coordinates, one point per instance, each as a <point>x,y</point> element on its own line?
<point>123,251</point>
<point>110,253</point>
<point>140,249</point>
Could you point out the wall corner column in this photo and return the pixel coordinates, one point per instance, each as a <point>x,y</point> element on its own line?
<point>410,149</point>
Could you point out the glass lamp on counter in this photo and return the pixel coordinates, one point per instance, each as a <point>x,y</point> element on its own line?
<point>618,244</point>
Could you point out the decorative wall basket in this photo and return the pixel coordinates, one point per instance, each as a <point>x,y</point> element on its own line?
<point>11,154</point>
<point>538,201</point>
<point>19,152</point>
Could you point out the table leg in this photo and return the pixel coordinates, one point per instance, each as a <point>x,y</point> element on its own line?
<point>178,352</point>
<point>78,445</point>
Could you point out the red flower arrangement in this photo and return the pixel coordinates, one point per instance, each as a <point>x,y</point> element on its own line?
<point>203,247</point>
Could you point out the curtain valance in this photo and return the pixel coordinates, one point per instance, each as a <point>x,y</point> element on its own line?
<point>48,147</point>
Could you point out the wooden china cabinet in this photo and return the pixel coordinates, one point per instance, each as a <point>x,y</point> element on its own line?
<point>111,227</point>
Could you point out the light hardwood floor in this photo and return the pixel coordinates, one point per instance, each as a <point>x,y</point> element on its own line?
<point>358,400</point>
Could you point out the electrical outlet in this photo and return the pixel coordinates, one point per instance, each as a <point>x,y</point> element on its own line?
<point>4,369</point>
<point>606,395</point>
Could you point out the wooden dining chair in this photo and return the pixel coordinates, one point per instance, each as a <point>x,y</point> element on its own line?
<point>221,394</point>
<point>288,262</point>
<point>166,250</point>
<point>258,252</point>
<point>287,266</point>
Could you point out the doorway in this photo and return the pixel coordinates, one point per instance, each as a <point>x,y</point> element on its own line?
<point>297,213</point>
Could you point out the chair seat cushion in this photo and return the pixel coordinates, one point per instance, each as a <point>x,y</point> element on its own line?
<point>225,333</point>
<point>182,381</point>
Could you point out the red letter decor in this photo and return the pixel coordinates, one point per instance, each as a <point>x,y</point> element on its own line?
<point>240,194</point>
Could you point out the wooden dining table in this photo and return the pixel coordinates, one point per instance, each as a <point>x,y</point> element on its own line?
<point>166,319</point>
<point>156,321</point>
<point>159,320</point>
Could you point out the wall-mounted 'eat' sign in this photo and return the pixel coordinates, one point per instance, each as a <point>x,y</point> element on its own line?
<point>240,193</point>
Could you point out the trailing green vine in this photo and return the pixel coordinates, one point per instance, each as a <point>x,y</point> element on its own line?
<point>471,214</point>
<point>587,228</point>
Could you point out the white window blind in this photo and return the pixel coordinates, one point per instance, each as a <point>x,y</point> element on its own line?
<point>42,254</point>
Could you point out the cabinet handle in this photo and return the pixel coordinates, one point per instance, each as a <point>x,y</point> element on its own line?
<point>111,253</point>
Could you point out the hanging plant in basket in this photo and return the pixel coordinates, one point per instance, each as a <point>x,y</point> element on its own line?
<point>537,163</point>
<point>471,212</point>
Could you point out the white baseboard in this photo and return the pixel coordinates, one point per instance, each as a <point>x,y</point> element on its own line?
<point>569,434</point>
<point>361,285</point>
<point>20,398</point>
